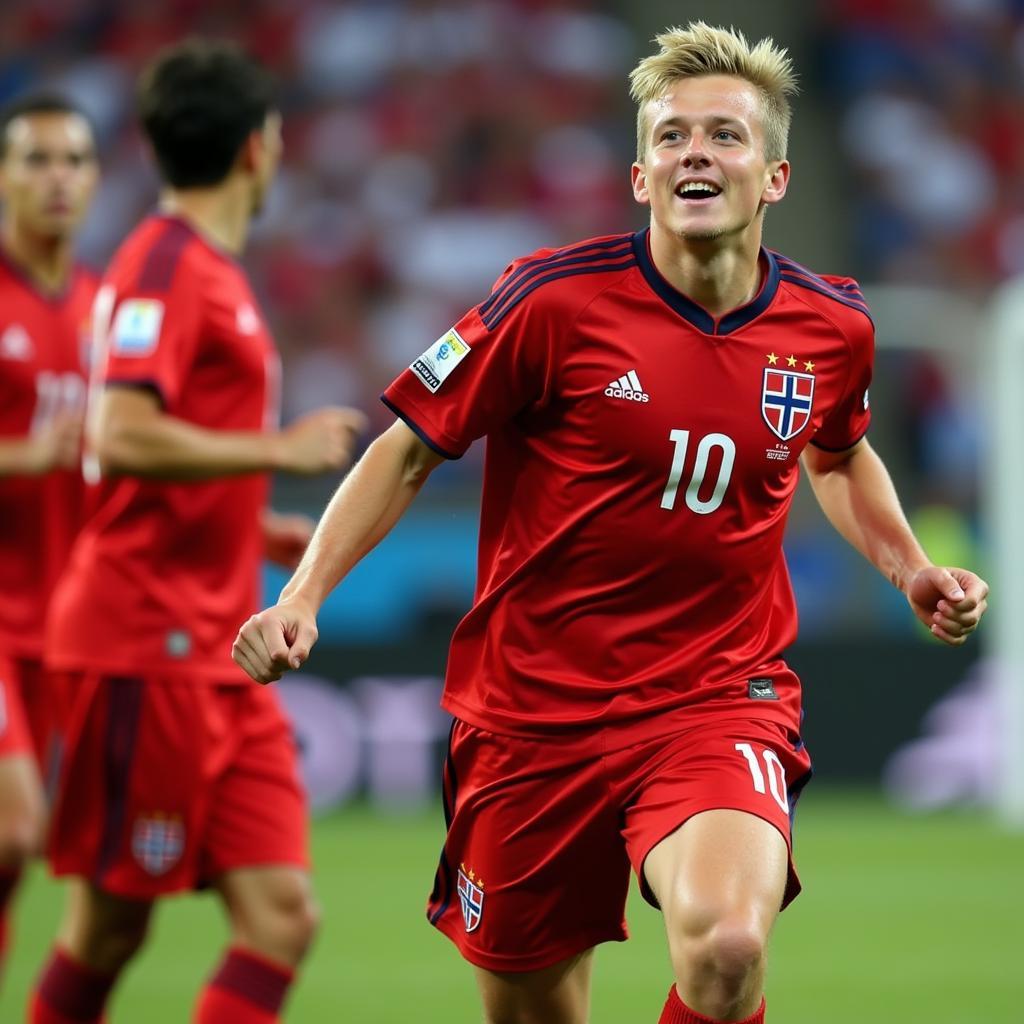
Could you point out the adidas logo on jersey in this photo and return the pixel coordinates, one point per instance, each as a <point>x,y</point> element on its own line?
<point>16,344</point>
<point>628,386</point>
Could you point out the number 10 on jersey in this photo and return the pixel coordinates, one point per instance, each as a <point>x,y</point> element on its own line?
<point>681,440</point>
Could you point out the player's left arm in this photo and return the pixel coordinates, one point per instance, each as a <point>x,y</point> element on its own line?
<point>286,536</point>
<point>857,495</point>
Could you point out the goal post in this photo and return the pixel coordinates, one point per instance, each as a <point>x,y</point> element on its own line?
<point>1003,501</point>
<point>982,345</point>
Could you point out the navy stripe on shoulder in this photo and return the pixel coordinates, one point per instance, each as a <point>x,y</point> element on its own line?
<point>418,430</point>
<point>617,262</point>
<point>162,260</point>
<point>582,251</point>
<point>830,293</point>
<point>846,292</point>
<point>848,289</point>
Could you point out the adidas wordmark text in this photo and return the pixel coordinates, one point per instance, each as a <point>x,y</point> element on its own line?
<point>628,386</point>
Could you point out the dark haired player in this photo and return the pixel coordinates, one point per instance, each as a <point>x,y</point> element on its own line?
<point>48,174</point>
<point>177,772</point>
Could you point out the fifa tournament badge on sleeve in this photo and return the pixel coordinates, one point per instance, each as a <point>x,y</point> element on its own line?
<point>137,327</point>
<point>434,366</point>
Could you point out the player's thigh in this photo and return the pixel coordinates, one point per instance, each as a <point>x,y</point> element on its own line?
<point>22,804</point>
<point>712,819</point>
<point>45,700</point>
<point>99,929</point>
<point>133,793</point>
<point>272,909</point>
<point>258,807</point>
<point>720,868</point>
<point>534,869</point>
<point>559,994</point>
<point>22,808</point>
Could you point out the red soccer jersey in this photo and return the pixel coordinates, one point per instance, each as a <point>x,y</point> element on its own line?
<point>43,352</point>
<point>163,573</point>
<point>641,459</point>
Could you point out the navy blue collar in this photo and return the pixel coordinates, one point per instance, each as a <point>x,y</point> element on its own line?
<point>696,314</point>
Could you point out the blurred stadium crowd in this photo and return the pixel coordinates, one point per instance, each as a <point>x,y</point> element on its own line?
<point>419,155</point>
<point>933,128</point>
<point>429,141</point>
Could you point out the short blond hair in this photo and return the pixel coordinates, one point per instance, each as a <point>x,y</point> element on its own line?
<point>701,49</point>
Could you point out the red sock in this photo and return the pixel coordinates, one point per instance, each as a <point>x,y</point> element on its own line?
<point>247,989</point>
<point>8,883</point>
<point>69,993</point>
<point>677,1012</point>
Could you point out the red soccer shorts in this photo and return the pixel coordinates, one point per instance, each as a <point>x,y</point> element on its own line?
<point>29,705</point>
<point>166,783</point>
<point>542,831</point>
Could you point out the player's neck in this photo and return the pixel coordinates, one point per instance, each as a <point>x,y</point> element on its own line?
<point>720,274</point>
<point>45,261</point>
<point>220,213</point>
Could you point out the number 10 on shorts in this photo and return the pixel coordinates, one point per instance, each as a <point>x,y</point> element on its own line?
<point>772,768</point>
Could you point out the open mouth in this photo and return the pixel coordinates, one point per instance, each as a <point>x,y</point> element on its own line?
<point>697,191</point>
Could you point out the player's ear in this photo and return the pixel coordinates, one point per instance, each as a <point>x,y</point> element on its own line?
<point>778,182</point>
<point>249,156</point>
<point>639,176</point>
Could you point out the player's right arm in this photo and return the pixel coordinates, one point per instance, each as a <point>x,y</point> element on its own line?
<point>131,434</point>
<point>475,377</point>
<point>369,502</point>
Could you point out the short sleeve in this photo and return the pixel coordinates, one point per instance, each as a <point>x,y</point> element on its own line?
<point>152,336</point>
<point>480,374</point>
<point>848,422</point>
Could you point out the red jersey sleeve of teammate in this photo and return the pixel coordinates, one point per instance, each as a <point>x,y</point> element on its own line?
<point>848,422</point>
<point>497,361</point>
<point>152,320</point>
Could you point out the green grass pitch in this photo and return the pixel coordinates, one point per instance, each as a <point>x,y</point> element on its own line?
<point>903,920</point>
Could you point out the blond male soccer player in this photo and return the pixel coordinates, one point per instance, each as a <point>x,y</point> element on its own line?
<point>48,175</point>
<point>178,772</point>
<point>618,687</point>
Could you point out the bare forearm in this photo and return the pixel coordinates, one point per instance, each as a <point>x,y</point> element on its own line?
<point>369,502</point>
<point>169,448</point>
<point>132,435</point>
<point>860,501</point>
<point>17,458</point>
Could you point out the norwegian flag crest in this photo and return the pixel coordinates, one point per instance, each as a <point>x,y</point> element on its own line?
<point>471,897</point>
<point>786,401</point>
<point>158,842</point>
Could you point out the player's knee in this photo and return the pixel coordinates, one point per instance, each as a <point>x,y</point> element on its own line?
<point>716,944</point>
<point>303,924</point>
<point>20,839</point>
<point>731,952</point>
<point>108,948</point>
<point>289,922</point>
<point>532,1015</point>
<point>542,1009</point>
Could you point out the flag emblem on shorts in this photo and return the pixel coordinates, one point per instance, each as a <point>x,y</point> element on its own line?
<point>786,400</point>
<point>471,896</point>
<point>158,842</point>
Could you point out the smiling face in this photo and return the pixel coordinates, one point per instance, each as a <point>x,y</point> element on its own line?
<point>49,172</point>
<point>704,174</point>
